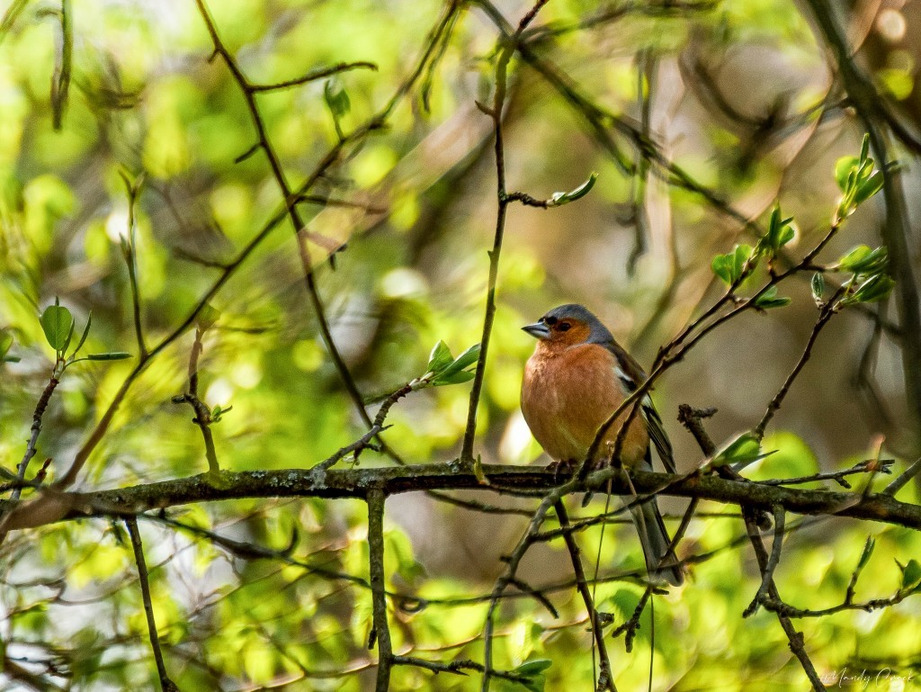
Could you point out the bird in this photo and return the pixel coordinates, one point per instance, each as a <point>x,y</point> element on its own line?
<point>576,378</point>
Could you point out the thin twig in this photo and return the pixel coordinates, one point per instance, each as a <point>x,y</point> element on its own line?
<point>906,476</point>
<point>638,181</point>
<point>314,75</point>
<point>202,411</point>
<point>826,313</point>
<point>356,447</point>
<point>605,678</point>
<point>456,667</point>
<point>290,197</point>
<point>768,574</point>
<point>512,563</point>
<point>503,200</point>
<point>166,684</point>
<point>867,466</point>
<point>752,528</point>
<point>129,248</point>
<point>36,429</point>
<point>381,631</point>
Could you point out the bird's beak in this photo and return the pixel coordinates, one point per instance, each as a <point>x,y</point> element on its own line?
<point>538,330</point>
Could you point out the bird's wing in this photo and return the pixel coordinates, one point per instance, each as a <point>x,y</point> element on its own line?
<point>631,375</point>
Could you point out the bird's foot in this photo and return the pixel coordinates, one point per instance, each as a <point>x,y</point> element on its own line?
<point>563,469</point>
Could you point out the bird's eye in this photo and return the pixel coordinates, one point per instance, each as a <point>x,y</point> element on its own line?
<point>564,326</point>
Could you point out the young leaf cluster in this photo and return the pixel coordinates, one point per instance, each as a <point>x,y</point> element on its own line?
<point>868,282</point>
<point>736,266</point>
<point>857,179</point>
<point>443,368</point>
<point>58,326</point>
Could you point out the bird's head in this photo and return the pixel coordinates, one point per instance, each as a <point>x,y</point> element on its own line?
<point>568,325</point>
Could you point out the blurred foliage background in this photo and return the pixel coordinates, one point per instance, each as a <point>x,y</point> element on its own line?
<point>740,94</point>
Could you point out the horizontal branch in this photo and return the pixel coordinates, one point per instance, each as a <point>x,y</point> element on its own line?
<point>49,505</point>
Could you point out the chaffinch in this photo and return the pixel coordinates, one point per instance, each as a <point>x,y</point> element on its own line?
<point>576,378</point>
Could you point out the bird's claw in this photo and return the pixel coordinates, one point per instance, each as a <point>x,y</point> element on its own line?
<point>562,469</point>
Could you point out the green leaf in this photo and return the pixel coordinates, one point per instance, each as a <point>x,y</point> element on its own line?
<point>113,355</point>
<point>876,288</point>
<point>857,179</point>
<point>865,148</point>
<point>336,97</point>
<point>780,232</point>
<point>867,552</point>
<point>911,575</point>
<point>854,255</point>
<point>558,199</point>
<point>769,299</point>
<point>58,324</point>
<point>534,672</point>
<point>6,341</point>
<point>790,456</point>
<point>453,378</point>
<point>468,357</point>
<point>869,187</point>
<point>534,667</point>
<point>742,450</point>
<point>439,358</point>
<point>863,260</point>
<point>70,334</point>
<point>731,266</point>
<point>818,286</point>
<point>843,169</point>
<point>207,316</point>
<point>454,371</point>
<point>219,413</point>
<point>86,331</point>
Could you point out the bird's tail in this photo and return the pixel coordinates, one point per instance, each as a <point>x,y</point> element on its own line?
<point>661,562</point>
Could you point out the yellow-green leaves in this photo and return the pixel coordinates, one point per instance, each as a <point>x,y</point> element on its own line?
<point>770,299</point>
<point>443,368</point>
<point>874,289</point>
<point>734,266</point>
<point>863,260</point>
<point>780,232</point>
<point>869,281</point>
<point>857,179</point>
<point>740,451</point>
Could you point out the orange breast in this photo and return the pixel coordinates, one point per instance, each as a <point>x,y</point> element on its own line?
<point>565,397</point>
